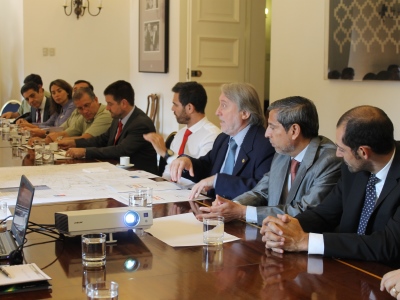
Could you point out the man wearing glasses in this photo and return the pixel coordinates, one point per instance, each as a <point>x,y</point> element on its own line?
<point>93,120</point>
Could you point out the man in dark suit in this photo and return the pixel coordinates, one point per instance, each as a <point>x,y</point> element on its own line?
<point>360,218</point>
<point>125,135</point>
<point>240,156</point>
<point>293,132</point>
<point>40,104</point>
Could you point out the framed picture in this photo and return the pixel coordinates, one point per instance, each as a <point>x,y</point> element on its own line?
<point>153,36</point>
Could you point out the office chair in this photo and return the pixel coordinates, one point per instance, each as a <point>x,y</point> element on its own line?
<point>10,105</point>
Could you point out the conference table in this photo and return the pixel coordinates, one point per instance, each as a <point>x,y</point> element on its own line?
<point>147,268</point>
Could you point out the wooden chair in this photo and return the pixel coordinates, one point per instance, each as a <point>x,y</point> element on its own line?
<point>162,163</point>
<point>152,106</point>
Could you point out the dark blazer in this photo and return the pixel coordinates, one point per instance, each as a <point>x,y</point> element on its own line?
<point>253,161</point>
<point>337,217</point>
<point>130,143</point>
<point>318,174</point>
<point>45,114</point>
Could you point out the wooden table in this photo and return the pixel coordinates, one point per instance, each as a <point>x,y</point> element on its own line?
<point>239,270</point>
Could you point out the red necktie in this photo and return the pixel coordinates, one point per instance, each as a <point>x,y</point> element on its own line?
<point>294,166</point>
<point>119,131</point>
<point>39,116</point>
<point>185,138</point>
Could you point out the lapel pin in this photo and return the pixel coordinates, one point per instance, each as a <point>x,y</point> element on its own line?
<point>243,161</point>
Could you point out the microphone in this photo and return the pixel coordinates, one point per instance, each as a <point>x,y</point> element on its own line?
<point>23,116</point>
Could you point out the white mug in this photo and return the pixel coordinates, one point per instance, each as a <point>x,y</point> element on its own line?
<point>124,160</point>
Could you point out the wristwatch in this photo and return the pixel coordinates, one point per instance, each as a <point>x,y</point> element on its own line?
<point>169,153</point>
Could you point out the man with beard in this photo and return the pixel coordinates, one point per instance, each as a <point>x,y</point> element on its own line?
<point>303,171</point>
<point>360,218</point>
<point>125,135</point>
<point>197,137</point>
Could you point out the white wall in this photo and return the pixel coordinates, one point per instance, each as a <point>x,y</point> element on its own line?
<point>91,48</point>
<point>11,49</point>
<point>298,65</point>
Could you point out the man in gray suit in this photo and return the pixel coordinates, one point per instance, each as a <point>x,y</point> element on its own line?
<point>304,169</point>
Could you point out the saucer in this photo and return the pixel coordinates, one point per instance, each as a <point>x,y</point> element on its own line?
<point>124,167</point>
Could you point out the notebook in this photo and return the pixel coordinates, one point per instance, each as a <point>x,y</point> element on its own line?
<point>14,238</point>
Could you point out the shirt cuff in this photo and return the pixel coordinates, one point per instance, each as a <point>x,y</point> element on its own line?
<point>215,180</point>
<point>316,243</point>
<point>251,214</point>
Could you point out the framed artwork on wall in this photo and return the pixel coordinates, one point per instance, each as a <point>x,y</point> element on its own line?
<point>153,36</point>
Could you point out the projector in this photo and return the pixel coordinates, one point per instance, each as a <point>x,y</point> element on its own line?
<point>103,220</point>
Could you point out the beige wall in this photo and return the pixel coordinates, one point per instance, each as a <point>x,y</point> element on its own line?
<point>91,48</point>
<point>11,49</point>
<point>298,64</point>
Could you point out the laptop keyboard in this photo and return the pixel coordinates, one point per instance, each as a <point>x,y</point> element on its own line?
<point>5,239</point>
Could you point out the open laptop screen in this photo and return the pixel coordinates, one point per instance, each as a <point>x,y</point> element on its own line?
<point>22,210</point>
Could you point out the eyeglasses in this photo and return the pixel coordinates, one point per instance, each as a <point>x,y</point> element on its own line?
<point>84,107</point>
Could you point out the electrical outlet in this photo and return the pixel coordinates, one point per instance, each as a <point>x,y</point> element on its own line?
<point>52,51</point>
<point>45,51</point>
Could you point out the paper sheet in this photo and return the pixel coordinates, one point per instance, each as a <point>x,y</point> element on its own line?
<point>181,230</point>
<point>22,273</point>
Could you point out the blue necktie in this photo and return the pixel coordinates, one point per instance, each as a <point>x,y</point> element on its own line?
<point>369,204</point>
<point>230,159</point>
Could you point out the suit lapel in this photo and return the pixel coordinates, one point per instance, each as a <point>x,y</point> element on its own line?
<point>247,146</point>
<point>306,163</point>
<point>277,178</point>
<point>391,179</point>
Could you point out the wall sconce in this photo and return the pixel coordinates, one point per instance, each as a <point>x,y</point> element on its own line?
<point>79,7</point>
<point>266,12</point>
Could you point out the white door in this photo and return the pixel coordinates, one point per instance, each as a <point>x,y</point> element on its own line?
<point>216,46</point>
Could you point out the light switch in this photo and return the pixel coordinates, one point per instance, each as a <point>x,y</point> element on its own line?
<point>45,51</point>
<point>52,51</point>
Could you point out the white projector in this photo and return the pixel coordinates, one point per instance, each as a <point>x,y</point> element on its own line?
<point>103,220</point>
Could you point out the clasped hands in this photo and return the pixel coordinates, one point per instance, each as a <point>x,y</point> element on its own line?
<point>284,233</point>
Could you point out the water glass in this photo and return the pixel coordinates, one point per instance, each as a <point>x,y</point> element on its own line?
<point>48,157</point>
<point>39,155</point>
<point>5,125</point>
<point>25,136</point>
<point>137,198</point>
<point>146,195</point>
<point>94,250</point>
<point>213,230</point>
<point>102,290</point>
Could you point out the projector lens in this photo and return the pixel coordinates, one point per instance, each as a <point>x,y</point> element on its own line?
<point>131,265</point>
<point>131,218</point>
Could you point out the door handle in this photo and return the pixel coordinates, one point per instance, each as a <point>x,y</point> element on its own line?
<point>196,73</point>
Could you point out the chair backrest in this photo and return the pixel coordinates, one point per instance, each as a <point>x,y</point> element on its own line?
<point>152,106</point>
<point>162,163</point>
<point>10,105</point>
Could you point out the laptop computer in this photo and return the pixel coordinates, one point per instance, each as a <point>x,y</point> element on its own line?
<point>13,239</point>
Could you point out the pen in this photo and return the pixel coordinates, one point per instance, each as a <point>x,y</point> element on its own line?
<point>5,272</point>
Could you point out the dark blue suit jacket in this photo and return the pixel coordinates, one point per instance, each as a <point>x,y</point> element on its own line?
<point>337,217</point>
<point>253,161</point>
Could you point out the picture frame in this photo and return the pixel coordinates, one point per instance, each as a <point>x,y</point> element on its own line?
<point>153,36</point>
